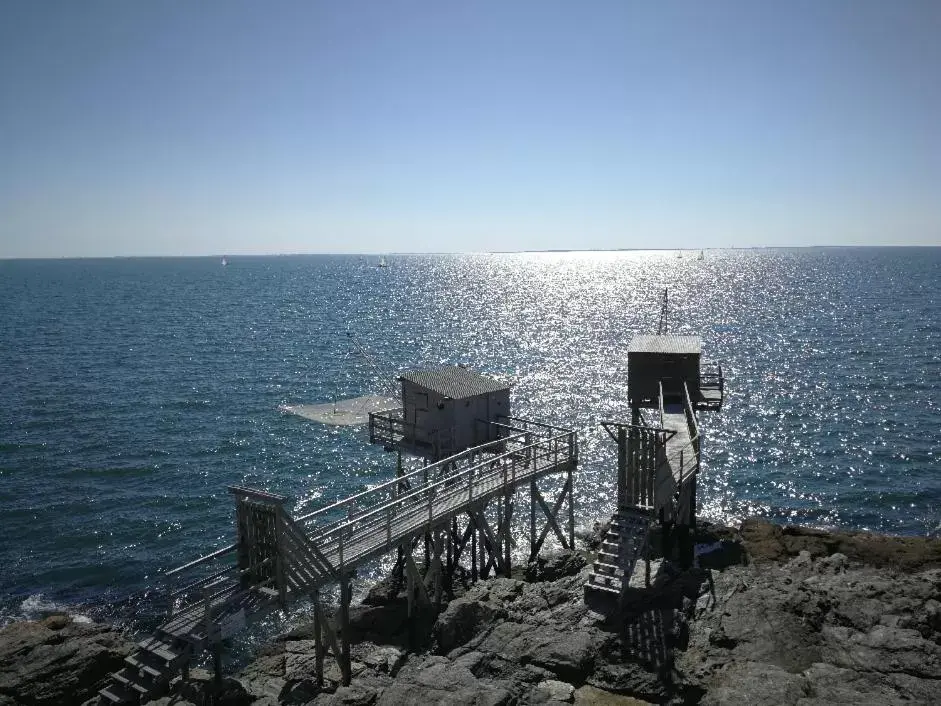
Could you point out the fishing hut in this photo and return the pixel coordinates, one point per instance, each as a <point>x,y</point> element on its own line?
<point>444,411</point>
<point>479,464</point>
<point>658,456</point>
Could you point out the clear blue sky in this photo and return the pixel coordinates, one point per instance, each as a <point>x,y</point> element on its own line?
<point>178,127</point>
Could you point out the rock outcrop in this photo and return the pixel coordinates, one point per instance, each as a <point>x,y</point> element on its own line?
<point>771,615</point>
<point>57,661</point>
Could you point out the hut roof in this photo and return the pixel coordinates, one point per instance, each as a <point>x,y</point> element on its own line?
<point>454,381</point>
<point>669,344</point>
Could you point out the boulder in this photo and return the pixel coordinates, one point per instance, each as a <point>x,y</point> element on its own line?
<point>461,621</point>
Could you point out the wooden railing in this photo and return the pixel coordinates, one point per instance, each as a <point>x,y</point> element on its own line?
<point>391,428</point>
<point>693,446</point>
<point>390,521</point>
<point>318,546</point>
<point>357,504</point>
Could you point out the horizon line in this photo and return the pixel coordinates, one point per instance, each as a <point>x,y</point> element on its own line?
<point>452,252</point>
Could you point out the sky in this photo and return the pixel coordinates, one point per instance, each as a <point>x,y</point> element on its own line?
<point>171,127</point>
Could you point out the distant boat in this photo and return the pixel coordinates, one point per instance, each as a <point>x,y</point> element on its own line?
<point>382,262</point>
<point>224,261</point>
<point>701,255</point>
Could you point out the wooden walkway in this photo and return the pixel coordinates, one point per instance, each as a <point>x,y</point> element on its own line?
<point>680,453</point>
<point>279,558</point>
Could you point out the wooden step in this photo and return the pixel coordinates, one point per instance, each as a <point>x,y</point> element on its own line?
<point>164,651</point>
<point>604,580</point>
<point>131,682</point>
<point>602,567</point>
<point>150,670</point>
<point>117,694</point>
<point>610,590</point>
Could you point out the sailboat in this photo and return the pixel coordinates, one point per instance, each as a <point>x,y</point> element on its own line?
<point>382,262</point>
<point>701,255</point>
<point>224,261</point>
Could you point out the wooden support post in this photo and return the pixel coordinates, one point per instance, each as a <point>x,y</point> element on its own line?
<point>473,538</point>
<point>571,486</point>
<point>532,520</point>
<point>624,471</point>
<point>436,561</point>
<point>482,545</point>
<point>501,536</point>
<point>318,639</point>
<point>345,595</point>
<point>397,490</point>
<point>279,559</point>
<point>409,596</point>
<point>551,518</point>
<point>217,666</point>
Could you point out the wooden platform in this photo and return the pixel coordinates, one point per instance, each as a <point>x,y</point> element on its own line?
<point>681,456</point>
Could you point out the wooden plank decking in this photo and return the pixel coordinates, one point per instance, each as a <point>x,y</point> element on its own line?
<point>680,453</point>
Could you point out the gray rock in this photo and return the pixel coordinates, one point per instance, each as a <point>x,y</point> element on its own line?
<point>385,659</point>
<point>58,661</point>
<point>437,681</point>
<point>747,683</point>
<point>570,655</point>
<point>461,621</point>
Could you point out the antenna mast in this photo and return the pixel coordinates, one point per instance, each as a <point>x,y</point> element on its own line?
<point>664,315</point>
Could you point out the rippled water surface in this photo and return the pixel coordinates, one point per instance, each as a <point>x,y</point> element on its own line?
<point>135,391</point>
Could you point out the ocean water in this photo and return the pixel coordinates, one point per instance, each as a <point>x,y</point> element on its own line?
<point>134,391</point>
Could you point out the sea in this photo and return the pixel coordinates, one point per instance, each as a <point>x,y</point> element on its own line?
<point>133,392</point>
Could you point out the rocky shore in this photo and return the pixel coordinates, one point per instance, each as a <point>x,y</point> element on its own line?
<point>770,615</point>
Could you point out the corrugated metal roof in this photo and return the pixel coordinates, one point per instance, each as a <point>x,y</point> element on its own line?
<point>677,345</point>
<point>455,382</point>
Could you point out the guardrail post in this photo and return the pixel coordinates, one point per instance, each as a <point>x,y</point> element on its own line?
<point>207,614</point>
<point>470,483</point>
<point>168,587</point>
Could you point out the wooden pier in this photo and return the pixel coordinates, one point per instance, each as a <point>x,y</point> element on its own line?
<point>467,498</point>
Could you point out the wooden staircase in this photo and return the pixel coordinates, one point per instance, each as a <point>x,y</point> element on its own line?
<point>149,670</point>
<point>275,559</point>
<point>625,541</point>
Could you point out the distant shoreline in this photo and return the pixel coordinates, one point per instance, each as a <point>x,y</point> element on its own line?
<point>894,246</point>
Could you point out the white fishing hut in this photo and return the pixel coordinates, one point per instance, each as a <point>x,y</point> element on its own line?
<point>444,411</point>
